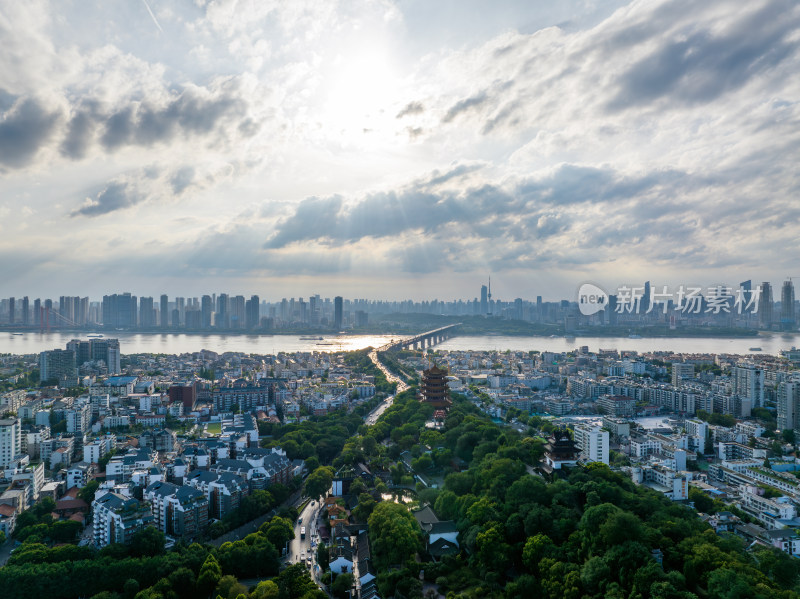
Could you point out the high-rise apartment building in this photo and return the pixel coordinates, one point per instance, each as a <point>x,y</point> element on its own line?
<point>338,312</point>
<point>94,350</point>
<point>119,311</point>
<point>788,405</point>
<point>57,363</point>
<point>147,313</point>
<point>10,440</point>
<point>748,383</point>
<point>222,316</point>
<point>237,312</point>
<point>787,306</point>
<point>206,309</point>
<point>252,307</point>
<point>765,305</point>
<point>681,372</point>
<point>163,312</point>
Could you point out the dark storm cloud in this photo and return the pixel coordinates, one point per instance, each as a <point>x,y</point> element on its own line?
<point>699,66</point>
<point>410,109</point>
<point>24,129</point>
<point>114,196</point>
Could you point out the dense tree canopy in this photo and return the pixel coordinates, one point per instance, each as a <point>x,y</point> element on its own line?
<point>394,534</point>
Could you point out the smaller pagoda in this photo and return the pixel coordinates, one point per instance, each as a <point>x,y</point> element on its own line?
<point>433,388</point>
<point>559,451</point>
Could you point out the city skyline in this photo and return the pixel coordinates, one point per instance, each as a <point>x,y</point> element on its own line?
<point>382,146</point>
<point>747,305</point>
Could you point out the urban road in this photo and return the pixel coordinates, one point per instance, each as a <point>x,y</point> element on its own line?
<point>373,416</point>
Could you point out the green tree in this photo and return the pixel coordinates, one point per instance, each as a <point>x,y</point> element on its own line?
<point>183,582</point>
<point>229,587</point>
<point>278,531</point>
<point>210,574</point>
<point>130,588</point>
<point>88,491</point>
<point>319,482</point>
<point>702,502</point>
<point>394,534</point>
<point>266,589</point>
<point>147,542</point>
<point>341,585</point>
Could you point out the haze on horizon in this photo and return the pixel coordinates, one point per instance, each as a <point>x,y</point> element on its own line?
<point>396,149</point>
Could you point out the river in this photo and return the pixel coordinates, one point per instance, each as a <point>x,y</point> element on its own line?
<point>175,343</point>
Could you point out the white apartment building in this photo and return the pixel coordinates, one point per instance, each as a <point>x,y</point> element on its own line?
<point>10,440</point>
<point>79,418</point>
<point>592,441</point>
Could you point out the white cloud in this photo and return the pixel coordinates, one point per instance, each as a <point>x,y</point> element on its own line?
<point>662,134</point>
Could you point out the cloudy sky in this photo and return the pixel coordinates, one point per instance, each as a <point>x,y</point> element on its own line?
<point>396,149</point>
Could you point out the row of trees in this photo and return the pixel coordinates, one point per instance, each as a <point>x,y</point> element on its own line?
<point>142,570</point>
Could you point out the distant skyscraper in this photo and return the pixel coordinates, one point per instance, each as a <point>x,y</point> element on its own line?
<point>646,298</point>
<point>252,312</point>
<point>164,311</point>
<point>146,313</point>
<point>180,306</point>
<point>221,319</point>
<point>747,293</point>
<point>11,309</point>
<point>787,306</point>
<point>484,299</point>
<point>194,319</point>
<point>338,312</point>
<point>206,308</point>
<point>46,313</point>
<point>611,311</point>
<point>120,311</point>
<point>765,305</point>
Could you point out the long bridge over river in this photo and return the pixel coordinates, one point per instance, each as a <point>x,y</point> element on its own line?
<point>422,340</point>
